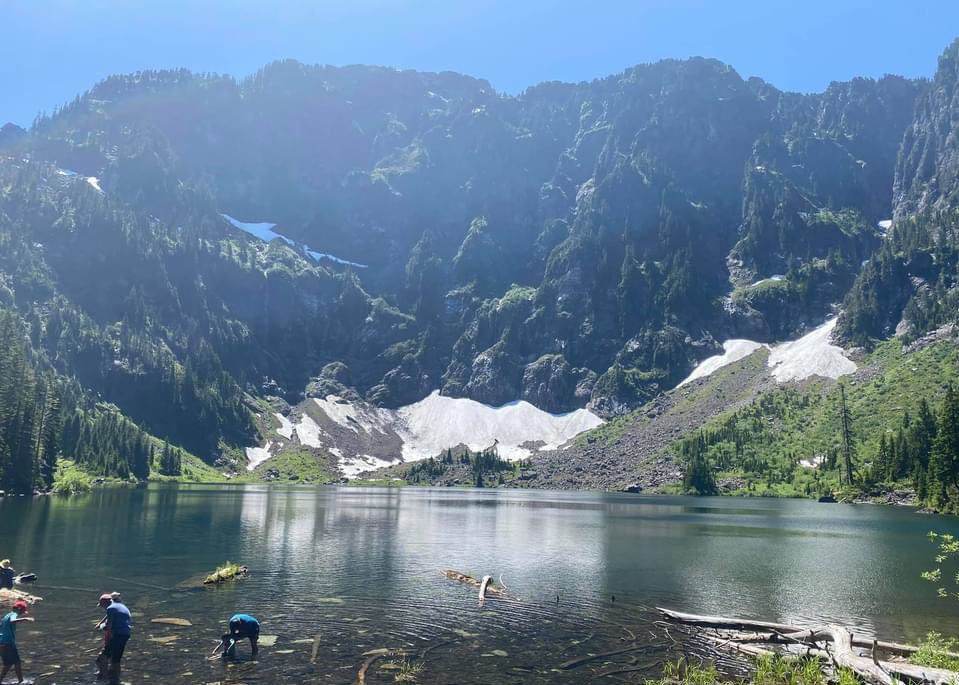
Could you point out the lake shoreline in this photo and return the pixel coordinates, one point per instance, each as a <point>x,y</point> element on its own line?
<point>874,498</point>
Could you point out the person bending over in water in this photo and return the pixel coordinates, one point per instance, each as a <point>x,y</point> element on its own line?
<point>8,639</point>
<point>103,658</point>
<point>120,626</point>
<point>241,626</point>
<point>7,575</point>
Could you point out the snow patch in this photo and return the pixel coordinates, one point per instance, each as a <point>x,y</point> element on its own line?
<point>257,455</point>
<point>320,256</point>
<point>264,230</point>
<point>364,437</point>
<point>775,277</point>
<point>286,426</point>
<point>356,417</point>
<point>885,224</point>
<point>437,422</point>
<point>93,181</point>
<point>795,360</point>
<point>733,351</point>
<point>309,432</point>
<point>811,355</point>
<point>813,462</point>
<point>354,466</point>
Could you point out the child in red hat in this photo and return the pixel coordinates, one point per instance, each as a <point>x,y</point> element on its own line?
<point>8,639</point>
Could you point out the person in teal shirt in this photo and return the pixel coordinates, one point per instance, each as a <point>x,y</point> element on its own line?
<point>241,626</point>
<point>8,640</point>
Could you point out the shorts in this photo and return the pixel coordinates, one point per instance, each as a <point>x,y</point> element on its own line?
<point>114,648</point>
<point>10,655</point>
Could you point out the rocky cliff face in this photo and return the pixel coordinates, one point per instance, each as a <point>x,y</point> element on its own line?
<point>579,244</point>
<point>927,173</point>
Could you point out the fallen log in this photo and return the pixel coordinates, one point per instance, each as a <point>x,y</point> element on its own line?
<point>485,586</point>
<point>371,657</point>
<point>835,643</point>
<point>573,663</point>
<point>785,629</point>
<point>228,571</point>
<point>9,597</point>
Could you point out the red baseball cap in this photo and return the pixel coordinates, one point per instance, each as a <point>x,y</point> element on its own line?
<point>20,605</point>
<point>105,597</point>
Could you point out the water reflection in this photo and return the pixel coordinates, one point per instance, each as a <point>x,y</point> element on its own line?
<point>361,569</point>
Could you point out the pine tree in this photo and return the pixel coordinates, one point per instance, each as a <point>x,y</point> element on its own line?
<point>944,460</point>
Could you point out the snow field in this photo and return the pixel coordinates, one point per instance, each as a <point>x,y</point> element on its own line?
<point>795,360</point>
<point>811,355</point>
<point>733,351</point>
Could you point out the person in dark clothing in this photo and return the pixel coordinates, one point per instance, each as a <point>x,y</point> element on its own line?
<point>241,626</point>
<point>103,658</point>
<point>120,626</point>
<point>8,640</point>
<point>7,575</point>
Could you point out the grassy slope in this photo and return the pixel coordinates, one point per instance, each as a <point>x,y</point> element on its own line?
<point>805,422</point>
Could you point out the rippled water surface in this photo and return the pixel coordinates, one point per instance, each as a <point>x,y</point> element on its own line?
<point>339,572</point>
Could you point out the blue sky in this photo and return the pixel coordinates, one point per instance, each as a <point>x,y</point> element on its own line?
<point>50,50</point>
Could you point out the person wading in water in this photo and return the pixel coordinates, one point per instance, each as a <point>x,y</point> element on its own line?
<point>103,658</point>
<point>119,626</point>
<point>7,575</point>
<point>8,640</point>
<point>241,626</point>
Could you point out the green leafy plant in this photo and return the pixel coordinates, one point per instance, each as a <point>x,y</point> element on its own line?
<point>70,479</point>
<point>947,550</point>
<point>936,651</point>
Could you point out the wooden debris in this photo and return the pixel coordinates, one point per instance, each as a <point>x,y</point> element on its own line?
<point>371,657</point>
<point>831,643</point>
<point>784,629</point>
<point>573,663</point>
<point>228,571</point>
<point>485,586</point>
<point>9,597</point>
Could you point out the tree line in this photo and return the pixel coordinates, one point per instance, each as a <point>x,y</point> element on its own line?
<point>45,417</point>
<point>920,450</point>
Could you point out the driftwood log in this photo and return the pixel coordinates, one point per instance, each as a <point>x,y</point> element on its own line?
<point>9,597</point>
<point>832,643</point>
<point>783,628</point>
<point>485,586</point>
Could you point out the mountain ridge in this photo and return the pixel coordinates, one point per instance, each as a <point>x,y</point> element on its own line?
<point>577,245</point>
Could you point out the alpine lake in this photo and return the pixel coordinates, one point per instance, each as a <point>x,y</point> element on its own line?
<point>337,573</point>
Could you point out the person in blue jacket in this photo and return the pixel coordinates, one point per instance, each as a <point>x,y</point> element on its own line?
<point>241,626</point>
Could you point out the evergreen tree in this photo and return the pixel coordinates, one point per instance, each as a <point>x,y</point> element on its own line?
<point>944,459</point>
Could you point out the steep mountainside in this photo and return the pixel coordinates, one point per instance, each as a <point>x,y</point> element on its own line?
<point>927,173</point>
<point>189,246</point>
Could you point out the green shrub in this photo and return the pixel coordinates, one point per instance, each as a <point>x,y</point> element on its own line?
<point>70,479</point>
